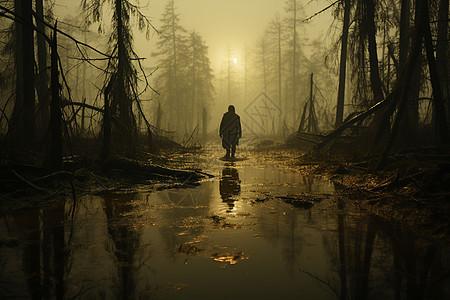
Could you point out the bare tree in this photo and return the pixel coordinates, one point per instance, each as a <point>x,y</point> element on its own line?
<point>43,89</point>
<point>343,65</point>
<point>122,78</point>
<point>369,20</point>
<point>22,121</point>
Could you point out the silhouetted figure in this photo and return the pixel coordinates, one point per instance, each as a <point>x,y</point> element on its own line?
<point>230,131</point>
<point>229,186</point>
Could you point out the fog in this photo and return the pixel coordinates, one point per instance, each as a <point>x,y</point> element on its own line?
<point>164,148</point>
<point>241,65</point>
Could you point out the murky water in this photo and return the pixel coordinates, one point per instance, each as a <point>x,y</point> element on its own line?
<point>256,231</point>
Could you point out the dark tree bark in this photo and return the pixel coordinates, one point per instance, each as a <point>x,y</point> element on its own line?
<point>422,33</point>
<point>375,78</point>
<point>43,91</point>
<point>106,125</point>
<point>405,36</point>
<point>24,108</point>
<point>120,94</point>
<point>439,108</point>
<point>343,65</point>
<point>409,125</point>
<point>442,51</point>
<point>55,153</point>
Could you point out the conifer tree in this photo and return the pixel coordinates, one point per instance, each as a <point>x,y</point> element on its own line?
<point>201,88</point>
<point>121,83</point>
<point>294,55</point>
<point>172,46</point>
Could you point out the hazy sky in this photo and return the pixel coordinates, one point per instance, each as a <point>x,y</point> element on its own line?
<point>234,22</point>
<point>220,22</point>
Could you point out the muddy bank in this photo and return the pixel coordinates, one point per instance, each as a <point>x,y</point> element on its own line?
<point>29,184</point>
<point>413,188</point>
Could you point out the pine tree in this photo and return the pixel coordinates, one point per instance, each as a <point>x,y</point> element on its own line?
<point>121,83</point>
<point>171,46</point>
<point>295,56</point>
<point>262,61</point>
<point>274,33</point>
<point>201,88</point>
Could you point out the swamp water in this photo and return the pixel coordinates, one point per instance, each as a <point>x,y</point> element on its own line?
<point>256,231</point>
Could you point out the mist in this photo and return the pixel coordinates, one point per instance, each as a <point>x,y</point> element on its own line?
<point>240,67</point>
<point>212,149</point>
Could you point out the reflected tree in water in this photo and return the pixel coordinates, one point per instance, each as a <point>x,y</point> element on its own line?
<point>366,254</point>
<point>43,252</point>
<point>125,237</point>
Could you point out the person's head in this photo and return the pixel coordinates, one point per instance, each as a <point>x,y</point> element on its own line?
<point>231,108</point>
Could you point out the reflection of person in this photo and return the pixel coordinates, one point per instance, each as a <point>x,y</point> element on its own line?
<point>230,131</point>
<point>229,186</point>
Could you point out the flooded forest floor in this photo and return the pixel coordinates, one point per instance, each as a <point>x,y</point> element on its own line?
<point>412,189</point>
<point>274,222</point>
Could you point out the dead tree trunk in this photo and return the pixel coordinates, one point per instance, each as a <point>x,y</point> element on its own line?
<point>158,116</point>
<point>422,33</point>
<point>83,116</point>
<point>106,147</point>
<point>24,108</point>
<point>405,36</point>
<point>119,94</point>
<point>343,65</point>
<point>439,108</point>
<point>375,78</point>
<point>55,153</point>
<point>205,124</point>
<point>442,49</point>
<point>279,68</point>
<point>409,125</point>
<point>43,92</point>
<point>311,125</point>
<point>294,64</point>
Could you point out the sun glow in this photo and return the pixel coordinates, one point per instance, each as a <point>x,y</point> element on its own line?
<point>235,60</point>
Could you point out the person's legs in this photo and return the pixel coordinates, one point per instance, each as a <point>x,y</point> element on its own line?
<point>228,152</point>
<point>233,150</point>
<point>226,146</point>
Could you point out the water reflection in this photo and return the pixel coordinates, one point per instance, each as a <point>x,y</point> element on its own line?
<point>146,245</point>
<point>373,259</point>
<point>34,260</point>
<point>229,186</point>
<point>125,237</point>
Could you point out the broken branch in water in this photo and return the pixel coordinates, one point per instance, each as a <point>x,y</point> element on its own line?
<point>28,182</point>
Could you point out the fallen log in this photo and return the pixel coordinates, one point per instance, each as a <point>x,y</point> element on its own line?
<point>133,166</point>
<point>358,118</point>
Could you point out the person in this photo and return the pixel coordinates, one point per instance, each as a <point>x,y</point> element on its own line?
<point>230,131</point>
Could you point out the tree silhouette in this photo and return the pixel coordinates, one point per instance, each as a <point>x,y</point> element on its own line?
<point>171,45</point>
<point>121,83</point>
